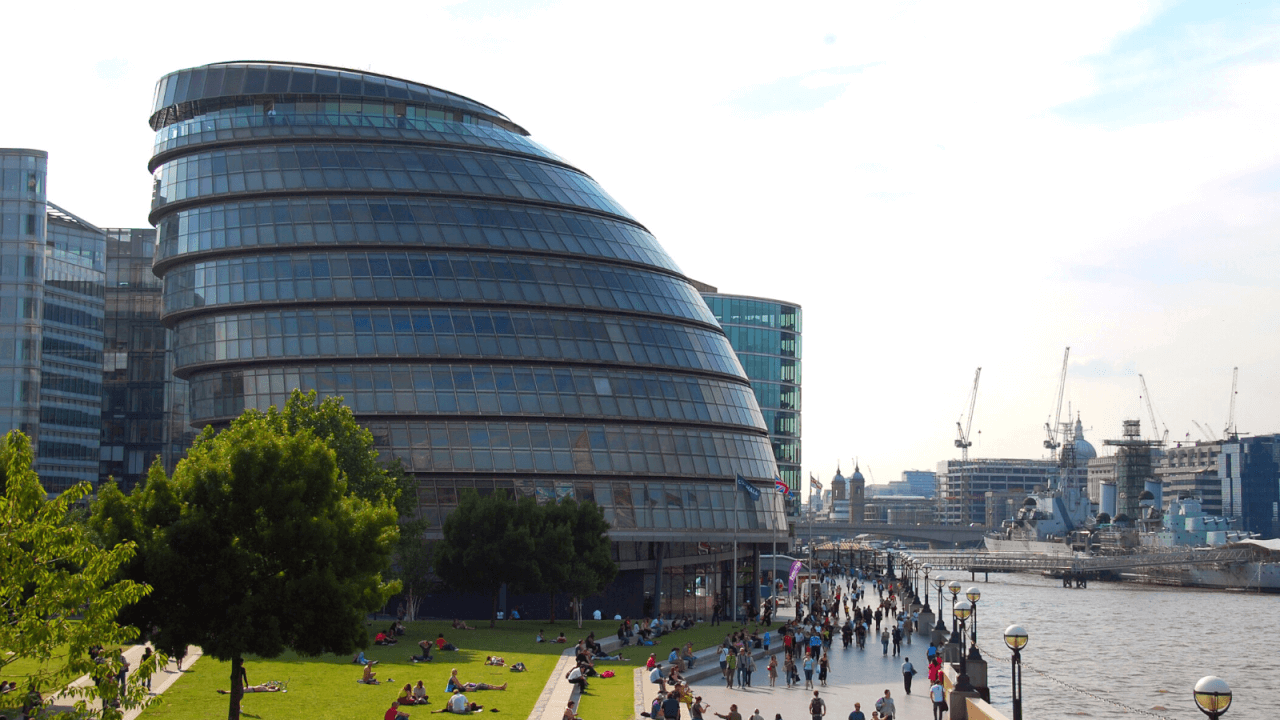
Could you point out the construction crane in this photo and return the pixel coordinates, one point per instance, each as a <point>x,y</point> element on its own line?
<point>1051,428</point>
<point>1204,432</point>
<point>1230,434</point>
<point>962,430</point>
<point>1151,411</point>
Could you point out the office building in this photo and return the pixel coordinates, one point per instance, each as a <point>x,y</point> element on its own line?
<point>963,486</point>
<point>766,336</point>
<point>51,309</point>
<point>1250,495</point>
<point>488,311</point>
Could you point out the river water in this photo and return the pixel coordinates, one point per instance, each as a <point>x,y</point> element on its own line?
<point>1142,646</point>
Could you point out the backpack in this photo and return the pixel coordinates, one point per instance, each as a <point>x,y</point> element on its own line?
<point>880,705</point>
<point>815,706</point>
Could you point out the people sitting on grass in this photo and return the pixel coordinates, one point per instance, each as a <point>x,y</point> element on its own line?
<point>407,697</point>
<point>420,693</point>
<point>539,638</point>
<point>442,645</point>
<point>561,638</point>
<point>458,704</point>
<point>397,628</point>
<point>383,639</point>
<point>370,677</point>
<point>393,712</point>
<point>454,684</point>
<point>461,625</point>
<point>426,652</point>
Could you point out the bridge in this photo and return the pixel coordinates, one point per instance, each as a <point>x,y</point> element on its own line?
<point>936,534</point>
<point>984,562</point>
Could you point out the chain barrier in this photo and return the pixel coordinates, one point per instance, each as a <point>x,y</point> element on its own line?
<point>1075,688</point>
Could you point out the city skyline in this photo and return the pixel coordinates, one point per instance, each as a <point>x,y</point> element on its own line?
<point>959,187</point>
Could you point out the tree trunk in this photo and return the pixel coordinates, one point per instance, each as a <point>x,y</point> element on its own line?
<point>577,603</point>
<point>553,608</point>
<point>237,688</point>
<point>493,618</point>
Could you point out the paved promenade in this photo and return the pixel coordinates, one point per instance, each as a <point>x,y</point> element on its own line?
<point>856,676</point>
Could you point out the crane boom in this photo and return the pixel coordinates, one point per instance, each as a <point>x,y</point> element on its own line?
<point>1051,438</point>
<point>963,441</point>
<point>1204,432</point>
<point>1151,411</point>
<point>1230,434</point>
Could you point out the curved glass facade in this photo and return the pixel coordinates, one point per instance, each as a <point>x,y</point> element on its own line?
<point>766,335</point>
<point>486,309</point>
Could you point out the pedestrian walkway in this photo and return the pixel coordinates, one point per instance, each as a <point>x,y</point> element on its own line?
<point>161,681</point>
<point>856,676</point>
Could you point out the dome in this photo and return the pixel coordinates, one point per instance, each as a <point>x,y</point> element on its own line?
<point>1029,502</point>
<point>857,475</point>
<point>1146,495</point>
<point>1084,449</point>
<point>1103,518</point>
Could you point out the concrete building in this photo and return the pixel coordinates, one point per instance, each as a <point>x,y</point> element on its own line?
<point>1194,469</point>
<point>963,486</point>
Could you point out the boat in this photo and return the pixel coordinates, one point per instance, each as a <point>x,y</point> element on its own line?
<point>1048,523</point>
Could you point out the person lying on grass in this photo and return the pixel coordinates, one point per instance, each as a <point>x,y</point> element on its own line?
<point>408,698</point>
<point>461,625</point>
<point>494,660</point>
<point>264,687</point>
<point>455,684</point>
<point>383,639</point>
<point>360,659</point>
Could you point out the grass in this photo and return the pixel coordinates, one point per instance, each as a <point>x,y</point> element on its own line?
<point>325,688</point>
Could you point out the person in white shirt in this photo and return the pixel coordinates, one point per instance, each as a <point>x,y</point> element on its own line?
<point>939,697</point>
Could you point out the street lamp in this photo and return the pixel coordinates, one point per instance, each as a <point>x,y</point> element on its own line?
<point>927,567</point>
<point>1016,638</point>
<point>954,587</point>
<point>1213,696</point>
<point>974,594</point>
<point>940,582</point>
<point>961,612</point>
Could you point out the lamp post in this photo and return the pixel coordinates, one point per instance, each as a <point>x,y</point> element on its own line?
<point>974,594</point>
<point>961,612</point>
<point>1213,696</point>
<point>940,582</point>
<point>1016,638</point>
<point>954,587</point>
<point>927,567</point>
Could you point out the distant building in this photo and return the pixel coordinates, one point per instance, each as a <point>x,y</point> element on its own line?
<point>921,482</point>
<point>899,510</point>
<point>765,334</point>
<point>1193,469</point>
<point>963,485</point>
<point>1250,494</point>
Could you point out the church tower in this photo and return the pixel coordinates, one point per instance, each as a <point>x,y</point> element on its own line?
<point>857,495</point>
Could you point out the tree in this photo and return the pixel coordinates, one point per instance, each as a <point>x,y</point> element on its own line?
<point>56,590</point>
<point>590,567</point>
<point>255,546</point>
<point>489,541</point>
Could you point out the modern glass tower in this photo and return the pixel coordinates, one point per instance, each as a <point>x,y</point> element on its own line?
<point>485,308</point>
<point>766,335</point>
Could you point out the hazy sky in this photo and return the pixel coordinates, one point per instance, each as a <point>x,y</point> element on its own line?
<point>941,186</point>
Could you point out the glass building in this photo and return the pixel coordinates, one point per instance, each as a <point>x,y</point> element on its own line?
<point>766,336</point>
<point>51,308</point>
<point>144,406</point>
<point>491,314</point>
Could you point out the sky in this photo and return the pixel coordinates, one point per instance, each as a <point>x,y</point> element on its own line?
<point>941,186</point>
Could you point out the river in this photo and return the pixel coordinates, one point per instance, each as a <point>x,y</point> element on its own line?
<point>1142,646</point>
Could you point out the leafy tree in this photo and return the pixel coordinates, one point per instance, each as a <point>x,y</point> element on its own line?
<point>489,541</point>
<point>412,565</point>
<point>56,590</point>
<point>255,545</point>
<point>590,566</point>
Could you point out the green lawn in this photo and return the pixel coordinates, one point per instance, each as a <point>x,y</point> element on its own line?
<point>325,688</point>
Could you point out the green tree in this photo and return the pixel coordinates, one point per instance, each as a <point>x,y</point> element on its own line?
<point>589,567</point>
<point>56,589</point>
<point>489,541</point>
<point>255,546</point>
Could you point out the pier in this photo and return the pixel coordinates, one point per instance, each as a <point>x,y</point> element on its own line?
<point>1081,566</point>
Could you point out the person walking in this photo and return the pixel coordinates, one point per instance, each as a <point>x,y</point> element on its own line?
<point>817,706</point>
<point>884,641</point>
<point>749,666</point>
<point>789,667</point>
<point>908,672</point>
<point>731,671</point>
<point>808,672</point>
<point>939,697</point>
<point>773,670</point>
<point>671,706</point>
<point>885,707</point>
<point>823,666</point>
<point>897,641</point>
<point>857,712</point>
